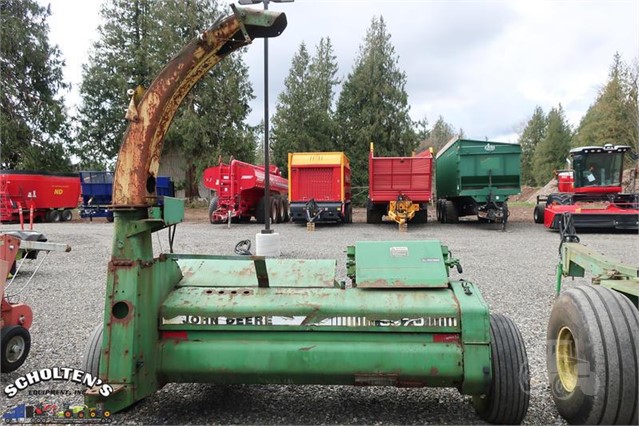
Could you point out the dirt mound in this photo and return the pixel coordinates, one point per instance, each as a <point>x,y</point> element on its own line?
<point>524,195</point>
<point>549,188</point>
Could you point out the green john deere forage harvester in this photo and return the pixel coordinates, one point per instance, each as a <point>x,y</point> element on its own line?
<point>246,319</point>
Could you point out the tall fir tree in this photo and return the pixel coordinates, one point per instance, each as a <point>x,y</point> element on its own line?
<point>373,105</point>
<point>33,120</point>
<point>613,117</point>
<point>292,111</point>
<point>552,151</point>
<point>532,135</point>
<point>136,41</point>
<point>304,117</point>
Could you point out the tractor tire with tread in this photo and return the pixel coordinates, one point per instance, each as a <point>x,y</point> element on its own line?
<point>93,352</point>
<point>450,212</point>
<point>509,395</point>
<point>54,216</point>
<point>592,356</point>
<point>13,357</point>
<point>66,216</point>
<point>538,213</point>
<point>212,207</point>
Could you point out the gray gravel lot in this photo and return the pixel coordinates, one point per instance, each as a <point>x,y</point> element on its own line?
<point>515,271</point>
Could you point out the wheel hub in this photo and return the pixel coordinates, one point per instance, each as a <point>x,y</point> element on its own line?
<point>15,348</point>
<point>566,359</point>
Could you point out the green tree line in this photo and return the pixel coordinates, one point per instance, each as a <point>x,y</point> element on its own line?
<point>613,118</point>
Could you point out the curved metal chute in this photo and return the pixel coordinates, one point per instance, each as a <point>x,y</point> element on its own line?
<point>151,113</point>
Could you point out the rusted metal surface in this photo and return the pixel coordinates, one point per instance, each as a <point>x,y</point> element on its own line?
<point>151,117</point>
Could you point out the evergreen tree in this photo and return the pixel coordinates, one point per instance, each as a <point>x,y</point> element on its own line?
<point>532,135</point>
<point>136,42</point>
<point>33,121</point>
<point>552,151</point>
<point>373,105</point>
<point>304,117</point>
<point>613,117</point>
<point>441,133</point>
<point>292,112</point>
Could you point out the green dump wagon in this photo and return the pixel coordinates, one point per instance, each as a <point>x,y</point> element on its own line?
<point>476,178</point>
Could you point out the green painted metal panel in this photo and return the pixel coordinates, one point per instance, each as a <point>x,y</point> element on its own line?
<point>475,324</point>
<point>415,264</point>
<point>239,271</point>
<point>476,168</point>
<point>354,309</point>
<point>312,358</point>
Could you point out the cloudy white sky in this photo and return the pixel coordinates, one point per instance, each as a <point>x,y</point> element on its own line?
<point>482,65</point>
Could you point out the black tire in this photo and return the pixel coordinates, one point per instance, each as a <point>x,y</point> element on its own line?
<point>349,213</point>
<point>421,216</point>
<point>14,268</point>
<point>440,211</point>
<point>212,207</point>
<point>598,382</point>
<point>538,213</point>
<point>450,212</point>
<point>110,218</point>
<point>93,352</point>
<point>54,216</point>
<point>16,343</point>
<point>276,208</point>
<point>287,216</point>
<point>373,213</point>
<point>509,395</point>
<point>67,215</point>
<point>259,213</point>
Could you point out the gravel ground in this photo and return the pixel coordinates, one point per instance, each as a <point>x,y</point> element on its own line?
<point>515,271</point>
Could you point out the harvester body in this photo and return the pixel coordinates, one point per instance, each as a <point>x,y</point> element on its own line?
<point>320,187</point>
<point>239,192</point>
<point>591,192</point>
<point>248,319</point>
<point>399,187</point>
<point>475,178</point>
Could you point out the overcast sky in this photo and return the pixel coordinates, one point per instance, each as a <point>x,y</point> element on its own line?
<point>482,65</point>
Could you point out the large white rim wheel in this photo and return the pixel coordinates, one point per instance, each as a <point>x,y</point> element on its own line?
<point>509,394</point>
<point>592,356</point>
<point>212,207</point>
<point>16,343</point>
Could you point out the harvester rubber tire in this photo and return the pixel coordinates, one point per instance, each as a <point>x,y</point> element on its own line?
<point>93,352</point>
<point>259,212</point>
<point>509,395</point>
<point>287,216</point>
<point>67,215</point>
<point>450,212</point>
<point>276,209</point>
<point>54,216</point>
<point>212,207</point>
<point>538,214</point>
<point>373,215</point>
<point>421,216</point>
<point>14,335</point>
<point>349,213</point>
<point>596,383</point>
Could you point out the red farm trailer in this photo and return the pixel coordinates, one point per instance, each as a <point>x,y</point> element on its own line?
<point>399,187</point>
<point>239,189</point>
<point>51,196</point>
<point>591,192</point>
<point>320,189</point>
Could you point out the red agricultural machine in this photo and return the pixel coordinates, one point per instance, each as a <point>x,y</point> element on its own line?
<point>239,189</point>
<point>592,192</point>
<point>399,187</point>
<point>47,197</point>
<point>16,318</point>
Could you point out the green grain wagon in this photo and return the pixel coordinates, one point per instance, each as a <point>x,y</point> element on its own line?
<point>476,178</point>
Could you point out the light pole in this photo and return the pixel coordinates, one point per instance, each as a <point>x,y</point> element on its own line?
<point>267,175</point>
